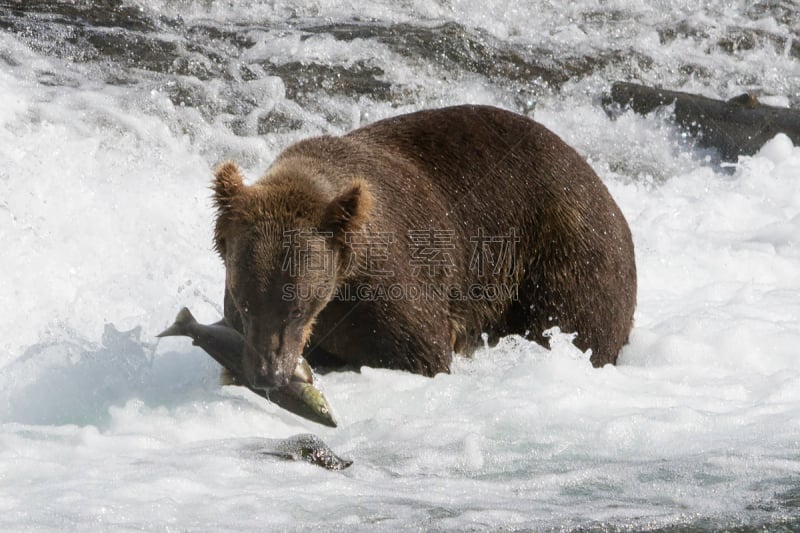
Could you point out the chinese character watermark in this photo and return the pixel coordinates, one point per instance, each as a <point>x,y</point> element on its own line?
<point>307,252</point>
<point>370,253</point>
<point>494,254</point>
<point>430,249</point>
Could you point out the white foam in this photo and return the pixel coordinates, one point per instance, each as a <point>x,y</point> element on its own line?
<point>778,150</point>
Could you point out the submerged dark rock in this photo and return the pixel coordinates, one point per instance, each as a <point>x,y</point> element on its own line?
<point>310,448</point>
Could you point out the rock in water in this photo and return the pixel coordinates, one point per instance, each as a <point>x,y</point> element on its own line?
<point>310,448</point>
<point>739,126</point>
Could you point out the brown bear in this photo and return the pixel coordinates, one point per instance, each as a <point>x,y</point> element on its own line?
<point>419,236</point>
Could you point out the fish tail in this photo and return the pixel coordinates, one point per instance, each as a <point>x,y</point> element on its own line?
<point>181,325</point>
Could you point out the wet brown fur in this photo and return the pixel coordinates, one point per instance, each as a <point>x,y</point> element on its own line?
<point>455,170</point>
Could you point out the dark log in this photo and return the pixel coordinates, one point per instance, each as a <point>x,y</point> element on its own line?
<point>739,126</point>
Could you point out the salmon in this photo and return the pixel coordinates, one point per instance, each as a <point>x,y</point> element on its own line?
<point>225,345</point>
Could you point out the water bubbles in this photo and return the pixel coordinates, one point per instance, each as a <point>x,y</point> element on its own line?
<point>473,456</point>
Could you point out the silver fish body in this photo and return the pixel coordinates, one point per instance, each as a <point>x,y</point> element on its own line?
<point>225,345</point>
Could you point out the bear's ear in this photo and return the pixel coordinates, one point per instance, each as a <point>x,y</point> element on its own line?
<point>228,184</point>
<point>349,211</point>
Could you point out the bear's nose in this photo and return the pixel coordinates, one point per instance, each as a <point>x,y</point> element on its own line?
<point>263,382</point>
<point>268,378</point>
<point>262,361</point>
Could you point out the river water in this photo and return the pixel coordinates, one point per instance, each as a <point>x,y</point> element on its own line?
<point>113,114</point>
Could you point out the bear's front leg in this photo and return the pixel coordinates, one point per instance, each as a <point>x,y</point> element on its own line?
<point>399,334</point>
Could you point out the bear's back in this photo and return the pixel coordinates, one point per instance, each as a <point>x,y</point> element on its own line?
<point>487,165</point>
<point>462,147</point>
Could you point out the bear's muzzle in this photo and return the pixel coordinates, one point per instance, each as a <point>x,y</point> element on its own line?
<point>269,360</point>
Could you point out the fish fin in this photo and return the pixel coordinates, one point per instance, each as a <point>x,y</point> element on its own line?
<point>226,377</point>
<point>180,327</point>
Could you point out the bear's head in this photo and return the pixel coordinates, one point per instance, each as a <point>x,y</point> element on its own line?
<point>284,242</point>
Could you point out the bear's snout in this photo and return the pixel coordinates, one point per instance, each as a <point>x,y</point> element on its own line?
<point>268,361</point>
<point>268,370</point>
<point>268,380</point>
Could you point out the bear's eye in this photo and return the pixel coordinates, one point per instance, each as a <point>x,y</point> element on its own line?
<point>296,314</point>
